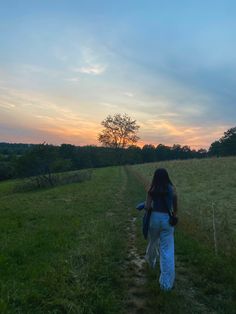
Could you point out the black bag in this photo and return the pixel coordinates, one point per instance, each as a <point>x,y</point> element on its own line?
<point>173,220</point>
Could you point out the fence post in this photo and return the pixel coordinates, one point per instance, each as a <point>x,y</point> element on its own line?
<point>214,228</point>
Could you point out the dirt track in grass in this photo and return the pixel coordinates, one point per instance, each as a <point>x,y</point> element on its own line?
<point>138,300</point>
<point>190,294</point>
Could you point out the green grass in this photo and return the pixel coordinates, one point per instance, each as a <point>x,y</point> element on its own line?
<point>213,278</point>
<point>62,248</point>
<point>200,183</point>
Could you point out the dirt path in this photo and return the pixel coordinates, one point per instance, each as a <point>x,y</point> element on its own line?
<point>137,285</point>
<point>135,266</point>
<point>141,299</point>
<point>134,272</point>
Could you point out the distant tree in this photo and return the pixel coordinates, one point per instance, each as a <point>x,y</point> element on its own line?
<point>38,162</point>
<point>215,149</point>
<point>202,153</point>
<point>69,156</point>
<point>226,145</point>
<point>14,148</point>
<point>228,142</point>
<point>67,151</point>
<point>149,153</point>
<point>163,152</point>
<point>176,151</point>
<point>6,170</point>
<point>185,152</point>
<point>119,131</point>
<point>133,155</point>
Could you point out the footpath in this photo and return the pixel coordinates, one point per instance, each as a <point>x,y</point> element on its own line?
<point>191,294</point>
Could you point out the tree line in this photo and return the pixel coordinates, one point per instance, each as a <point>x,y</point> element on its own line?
<point>118,139</point>
<point>226,145</point>
<point>31,160</point>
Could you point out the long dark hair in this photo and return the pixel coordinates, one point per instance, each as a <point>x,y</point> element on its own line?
<point>160,182</point>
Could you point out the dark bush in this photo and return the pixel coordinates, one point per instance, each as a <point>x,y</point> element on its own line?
<point>6,170</point>
<point>38,182</point>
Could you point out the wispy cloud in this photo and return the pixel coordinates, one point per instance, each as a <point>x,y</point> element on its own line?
<point>38,118</point>
<point>6,105</point>
<point>35,112</point>
<point>179,87</point>
<point>95,69</point>
<point>129,94</point>
<point>91,63</point>
<point>162,131</point>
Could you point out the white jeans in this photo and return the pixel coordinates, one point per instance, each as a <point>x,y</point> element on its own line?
<point>161,242</point>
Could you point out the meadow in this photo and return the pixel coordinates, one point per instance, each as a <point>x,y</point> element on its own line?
<point>62,248</point>
<point>77,247</point>
<point>207,197</point>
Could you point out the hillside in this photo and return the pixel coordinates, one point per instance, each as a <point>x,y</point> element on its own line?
<point>207,192</point>
<point>78,248</point>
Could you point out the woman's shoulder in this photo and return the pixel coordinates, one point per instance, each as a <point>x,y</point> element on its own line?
<point>172,189</point>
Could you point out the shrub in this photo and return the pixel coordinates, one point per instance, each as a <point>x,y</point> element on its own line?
<point>42,181</point>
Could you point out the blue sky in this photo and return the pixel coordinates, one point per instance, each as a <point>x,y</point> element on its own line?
<point>66,65</point>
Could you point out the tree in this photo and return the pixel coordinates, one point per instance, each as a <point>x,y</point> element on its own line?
<point>38,162</point>
<point>133,155</point>
<point>228,142</point>
<point>6,170</point>
<point>201,153</point>
<point>163,152</point>
<point>119,131</point>
<point>226,145</point>
<point>149,153</point>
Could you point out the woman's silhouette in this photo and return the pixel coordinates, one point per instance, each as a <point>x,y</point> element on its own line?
<point>161,200</point>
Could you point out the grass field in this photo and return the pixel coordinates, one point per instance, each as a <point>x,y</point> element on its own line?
<point>203,186</point>
<point>76,248</point>
<point>62,248</point>
<point>205,283</point>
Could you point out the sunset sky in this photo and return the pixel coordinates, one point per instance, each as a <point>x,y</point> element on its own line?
<point>66,65</point>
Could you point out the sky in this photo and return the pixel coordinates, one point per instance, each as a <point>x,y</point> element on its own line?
<point>66,65</point>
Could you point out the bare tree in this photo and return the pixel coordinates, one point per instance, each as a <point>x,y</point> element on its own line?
<point>119,131</point>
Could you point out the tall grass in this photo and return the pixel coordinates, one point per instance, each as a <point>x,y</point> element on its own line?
<point>207,198</point>
<point>63,250</point>
<point>205,282</point>
<point>60,250</point>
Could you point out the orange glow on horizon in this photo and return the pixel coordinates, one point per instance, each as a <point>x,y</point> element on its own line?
<point>36,118</point>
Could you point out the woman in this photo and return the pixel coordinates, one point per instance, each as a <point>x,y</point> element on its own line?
<point>162,199</point>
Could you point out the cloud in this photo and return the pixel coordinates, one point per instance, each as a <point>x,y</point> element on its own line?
<point>156,131</point>
<point>46,120</point>
<point>208,88</point>
<point>6,104</point>
<point>129,94</point>
<point>90,62</point>
<point>96,69</point>
<point>34,117</point>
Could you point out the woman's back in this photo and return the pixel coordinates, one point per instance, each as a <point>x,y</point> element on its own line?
<point>163,202</point>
